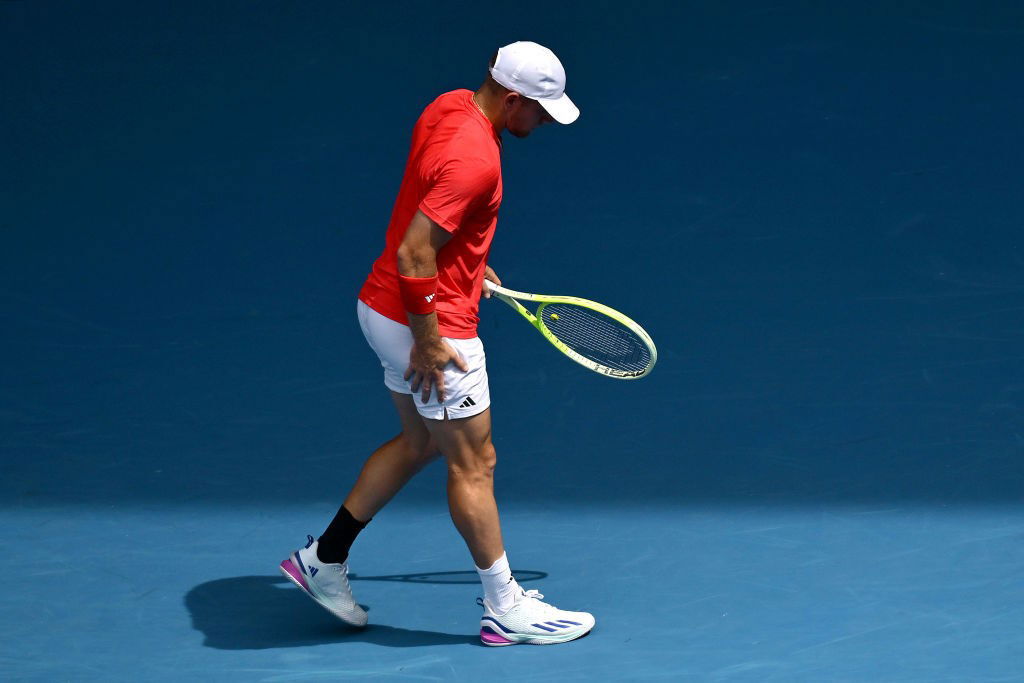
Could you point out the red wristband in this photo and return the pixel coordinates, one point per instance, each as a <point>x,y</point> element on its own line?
<point>418,293</point>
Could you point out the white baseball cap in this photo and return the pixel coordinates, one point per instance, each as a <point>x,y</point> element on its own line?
<point>534,71</point>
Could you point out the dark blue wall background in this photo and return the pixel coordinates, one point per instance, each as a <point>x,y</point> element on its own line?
<point>815,211</point>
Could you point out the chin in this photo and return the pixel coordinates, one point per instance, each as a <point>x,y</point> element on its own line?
<point>519,133</point>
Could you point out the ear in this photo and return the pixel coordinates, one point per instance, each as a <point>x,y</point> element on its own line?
<point>510,99</point>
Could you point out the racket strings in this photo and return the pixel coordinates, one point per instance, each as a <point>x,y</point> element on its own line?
<point>596,336</point>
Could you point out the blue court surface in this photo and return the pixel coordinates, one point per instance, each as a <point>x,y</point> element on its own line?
<point>815,211</point>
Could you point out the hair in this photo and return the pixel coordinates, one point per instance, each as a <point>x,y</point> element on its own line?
<point>490,84</point>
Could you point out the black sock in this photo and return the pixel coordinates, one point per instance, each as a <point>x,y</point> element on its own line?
<point>337,539</point>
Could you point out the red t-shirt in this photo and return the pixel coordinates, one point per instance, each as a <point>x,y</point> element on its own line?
<point>453,175</point>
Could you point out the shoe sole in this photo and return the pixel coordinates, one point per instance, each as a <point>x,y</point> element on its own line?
<point>293,574</point>
<point>492,638</point>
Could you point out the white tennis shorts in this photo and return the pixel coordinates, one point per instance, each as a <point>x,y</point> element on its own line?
<point>468,392</point>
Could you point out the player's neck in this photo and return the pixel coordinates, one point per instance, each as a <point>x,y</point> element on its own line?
<point>490,107</point>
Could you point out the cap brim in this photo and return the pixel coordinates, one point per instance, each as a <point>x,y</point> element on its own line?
<point>561,109</point>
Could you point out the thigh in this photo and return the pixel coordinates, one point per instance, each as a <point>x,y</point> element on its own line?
<point>465,442</point>
<point>413,425</point>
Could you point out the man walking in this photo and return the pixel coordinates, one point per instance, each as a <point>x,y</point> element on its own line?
<point>418,311</point>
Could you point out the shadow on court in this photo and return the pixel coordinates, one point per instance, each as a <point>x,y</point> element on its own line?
<point>261,612</point>
<point>462,577</point>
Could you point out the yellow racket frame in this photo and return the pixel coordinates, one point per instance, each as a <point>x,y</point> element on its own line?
<point>510,296</point>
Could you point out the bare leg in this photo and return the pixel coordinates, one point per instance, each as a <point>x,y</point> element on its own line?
<point>393,464</point>
<point>466,444</point>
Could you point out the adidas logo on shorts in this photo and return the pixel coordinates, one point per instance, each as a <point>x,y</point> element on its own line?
<point>467,403</point>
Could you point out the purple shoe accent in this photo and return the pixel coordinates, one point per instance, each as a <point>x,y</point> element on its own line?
<point>288,567</point>
<point>492,638</point>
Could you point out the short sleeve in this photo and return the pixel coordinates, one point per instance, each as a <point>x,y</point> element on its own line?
<point>460,185</point>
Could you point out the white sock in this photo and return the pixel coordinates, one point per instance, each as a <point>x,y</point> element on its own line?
<point>500,588</point>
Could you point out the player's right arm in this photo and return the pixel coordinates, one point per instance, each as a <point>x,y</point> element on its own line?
<point>417,270</point>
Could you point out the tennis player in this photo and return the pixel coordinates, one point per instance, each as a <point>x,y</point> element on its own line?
<point>418,311</point>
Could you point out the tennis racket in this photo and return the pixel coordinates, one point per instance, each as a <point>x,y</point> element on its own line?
<point>592,334</point>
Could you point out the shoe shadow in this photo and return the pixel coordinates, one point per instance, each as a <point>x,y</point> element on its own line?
<point>260,612</point>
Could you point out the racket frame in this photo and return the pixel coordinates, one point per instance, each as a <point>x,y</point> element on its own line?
<point>510,296</point>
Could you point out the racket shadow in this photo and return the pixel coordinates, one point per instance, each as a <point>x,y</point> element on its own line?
<point>461,577</point>
<point>260,612</point>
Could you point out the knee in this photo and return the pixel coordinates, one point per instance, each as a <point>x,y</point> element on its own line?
<point>429,454</point>
<point>421,452</point>
<point>477,468</point>
<point>424,452</point>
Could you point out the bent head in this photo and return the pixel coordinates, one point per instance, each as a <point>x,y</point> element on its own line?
<point>527,82</point>
<point>522,114</point>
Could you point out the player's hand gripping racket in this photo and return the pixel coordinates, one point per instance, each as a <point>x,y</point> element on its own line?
<point>592,334</point>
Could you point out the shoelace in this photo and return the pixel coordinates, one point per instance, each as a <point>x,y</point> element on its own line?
<point>532,594</point>
<point>343,570</point>
<point>537,595</point>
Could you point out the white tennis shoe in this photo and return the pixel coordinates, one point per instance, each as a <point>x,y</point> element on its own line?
<point>325,583</point>
<point>532,622</point>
